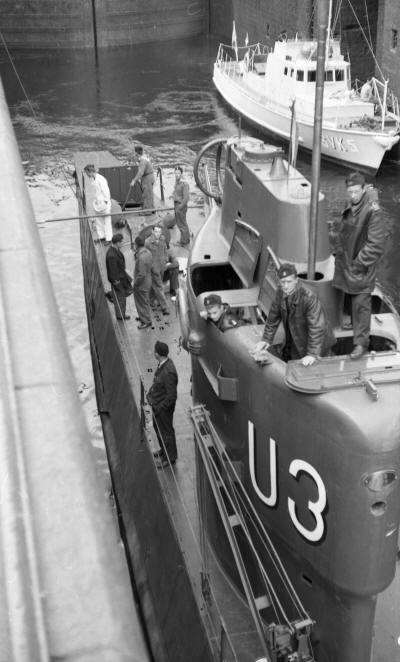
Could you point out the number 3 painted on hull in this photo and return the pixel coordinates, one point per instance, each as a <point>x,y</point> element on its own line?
<point>296,466</point>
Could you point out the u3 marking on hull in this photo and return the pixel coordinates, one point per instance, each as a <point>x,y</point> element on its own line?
<point>316,508</point>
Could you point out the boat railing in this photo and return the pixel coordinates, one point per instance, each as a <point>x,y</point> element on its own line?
<point>235,60</point>
<point>385,101</point>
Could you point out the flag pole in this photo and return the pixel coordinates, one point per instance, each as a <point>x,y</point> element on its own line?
<point>234,40</point>
<point>323,12</point>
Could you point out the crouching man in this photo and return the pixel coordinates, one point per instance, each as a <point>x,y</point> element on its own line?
<point>308,333</point>
<point>219,313</point>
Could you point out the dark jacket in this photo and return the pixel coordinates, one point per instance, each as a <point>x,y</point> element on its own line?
<point>163,392</point>
<point>358,242</point>
<point>115,265</point>
<point>308,325</point>
<point>226,321</point>
<point>142,273</point>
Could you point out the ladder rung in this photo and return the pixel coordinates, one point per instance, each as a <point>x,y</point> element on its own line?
<point>234,520</point>
<point>208,440</point>
<point>262,602</point>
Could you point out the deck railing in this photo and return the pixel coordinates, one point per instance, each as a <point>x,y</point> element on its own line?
<point>234,61</point>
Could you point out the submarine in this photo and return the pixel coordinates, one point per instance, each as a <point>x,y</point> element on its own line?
<point>316,449</point>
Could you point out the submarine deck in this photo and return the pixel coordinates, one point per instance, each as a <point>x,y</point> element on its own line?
<point>179,483</point>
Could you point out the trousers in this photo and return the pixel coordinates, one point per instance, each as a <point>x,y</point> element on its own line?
<point>158,290</point>
<point>163,425</point>
<point>180,216</point>
<point>361,306</point>
<point>119,301</point>
<point>104,225</point>
<point>142,303</point>
<point>147,182</point>
<point>172,274</point>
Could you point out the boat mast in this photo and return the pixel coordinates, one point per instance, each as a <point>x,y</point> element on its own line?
<point>323,25</point>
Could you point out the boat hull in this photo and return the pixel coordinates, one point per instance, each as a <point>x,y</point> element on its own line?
<point>356,149</point>
<point>329,600</point>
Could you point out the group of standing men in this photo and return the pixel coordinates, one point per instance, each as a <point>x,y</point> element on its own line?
<point>154,264</point>
<point>154,261</point>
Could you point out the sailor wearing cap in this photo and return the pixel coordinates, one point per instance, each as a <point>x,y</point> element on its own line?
<point>219,313</point>
<point>307,331</point>
<point>358,243</point>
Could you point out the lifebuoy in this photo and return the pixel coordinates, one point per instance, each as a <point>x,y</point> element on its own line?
<point>220,143</point>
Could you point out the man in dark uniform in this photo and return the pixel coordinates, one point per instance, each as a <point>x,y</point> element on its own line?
<point>358,243</point>
<point>118,277</point>
<point>219,313</point>
<point>162,398</point>
<point>307,331</point>
<point>181,199</point>
<point>142,283</point>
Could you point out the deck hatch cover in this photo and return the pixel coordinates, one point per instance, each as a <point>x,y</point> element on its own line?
<point>119,181</point>
<point>244,252</point>
<point>339,372</point>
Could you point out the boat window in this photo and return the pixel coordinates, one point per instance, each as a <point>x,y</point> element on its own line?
<point>285,71</point>
<point>329,74</point>
<point>300,75</point>
<point>211,278</point>
<point>311,76</point>
<point>339,74</point>
<point>291,73</point>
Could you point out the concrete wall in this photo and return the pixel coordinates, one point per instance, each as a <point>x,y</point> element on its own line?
<point>46,23</point>
<point>70,23</point>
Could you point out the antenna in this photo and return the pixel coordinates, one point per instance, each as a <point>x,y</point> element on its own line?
<point>323,18</point>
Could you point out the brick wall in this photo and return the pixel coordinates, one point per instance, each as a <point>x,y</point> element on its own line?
<point>388,54</point>
<point>265,19</point>
<point>262,20</point>
<point>356,29</point>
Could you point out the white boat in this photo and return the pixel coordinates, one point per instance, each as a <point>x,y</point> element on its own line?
<point>268,88</point>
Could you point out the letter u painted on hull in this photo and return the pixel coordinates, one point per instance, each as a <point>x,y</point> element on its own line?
<point>296,467</point>
<point>272,499</point>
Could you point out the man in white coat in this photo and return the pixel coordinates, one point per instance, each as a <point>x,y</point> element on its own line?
<point>101,203</point>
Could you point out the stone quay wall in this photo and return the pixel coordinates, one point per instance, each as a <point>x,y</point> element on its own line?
<point>35,24</point>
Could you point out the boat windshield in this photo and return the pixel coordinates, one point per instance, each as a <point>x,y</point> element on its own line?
<point>331,75</point>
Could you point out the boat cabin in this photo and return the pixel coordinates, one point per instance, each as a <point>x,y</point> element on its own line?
<point>291,71</point>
